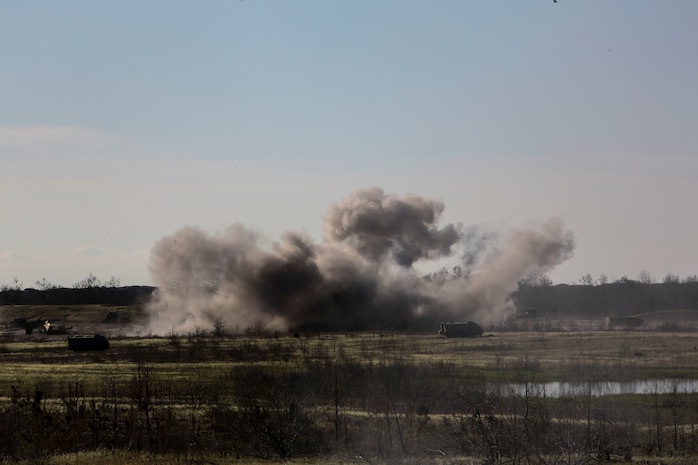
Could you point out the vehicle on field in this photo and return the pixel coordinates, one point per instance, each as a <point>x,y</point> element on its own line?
<point>465,329</point>
<point>90,342</point>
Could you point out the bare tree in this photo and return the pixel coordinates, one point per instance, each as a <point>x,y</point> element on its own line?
<point>219,329</point>
<point>15,286</point>
<point>645,277</point>
<point>587,279</point>
<point>44,285</point>
<point>269,419</point>
<point>112,282</point>
<point>461,273</point>
<point>91,281</point>
<point>14,291</point>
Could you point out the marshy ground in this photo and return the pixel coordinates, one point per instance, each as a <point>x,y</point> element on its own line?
<point>238,397</point>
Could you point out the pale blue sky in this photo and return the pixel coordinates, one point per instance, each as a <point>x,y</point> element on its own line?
<point>121,122</point>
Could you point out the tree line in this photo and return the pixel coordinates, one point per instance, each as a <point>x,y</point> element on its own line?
<point>538,295</point>
<point>43,284</point>
<point>592,297</point>
<point>128,295</point>
<point>615,299</point>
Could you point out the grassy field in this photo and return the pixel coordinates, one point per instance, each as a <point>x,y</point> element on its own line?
<point>336,398</point>
<point>558,356</point>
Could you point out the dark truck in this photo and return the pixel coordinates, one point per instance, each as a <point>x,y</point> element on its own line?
<point>91,342</point>
<point>467,329</point>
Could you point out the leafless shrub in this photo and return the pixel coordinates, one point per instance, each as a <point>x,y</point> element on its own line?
<point>269,419</point>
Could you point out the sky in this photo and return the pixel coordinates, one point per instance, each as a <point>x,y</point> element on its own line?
<point>123,122</point>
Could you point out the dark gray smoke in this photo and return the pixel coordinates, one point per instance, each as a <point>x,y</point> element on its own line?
<point>377,225</point>
<point>360,277</point>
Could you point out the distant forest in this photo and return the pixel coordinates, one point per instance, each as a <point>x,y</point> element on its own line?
<point>620,298</point>
<point>615,299</point>
<point>129,295</point>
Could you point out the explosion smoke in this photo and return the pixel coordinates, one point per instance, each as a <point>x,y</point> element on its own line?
<point>361,277</point>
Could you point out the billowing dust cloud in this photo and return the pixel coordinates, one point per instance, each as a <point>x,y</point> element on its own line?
<point>361,277</point>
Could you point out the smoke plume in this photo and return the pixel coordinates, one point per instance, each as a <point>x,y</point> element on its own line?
<point>360,277</point>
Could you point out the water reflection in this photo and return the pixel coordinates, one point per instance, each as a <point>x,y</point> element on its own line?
<point>596,389</point>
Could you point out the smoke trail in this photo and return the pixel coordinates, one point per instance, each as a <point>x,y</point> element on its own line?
<point>360,277</point>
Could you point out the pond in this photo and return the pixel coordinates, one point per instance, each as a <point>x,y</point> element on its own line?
<point>597,389</point>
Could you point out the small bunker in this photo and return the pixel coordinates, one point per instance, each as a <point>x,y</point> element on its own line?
<point>92,342</point>
<point>467,329</point>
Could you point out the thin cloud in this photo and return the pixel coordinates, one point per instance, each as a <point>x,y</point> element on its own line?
<point>89,251</point>
<point>41,136</point>
<point>14,255</point>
